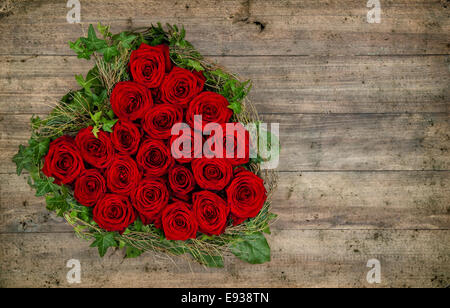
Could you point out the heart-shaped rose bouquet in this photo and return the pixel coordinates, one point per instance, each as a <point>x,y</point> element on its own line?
<point>152,153</point>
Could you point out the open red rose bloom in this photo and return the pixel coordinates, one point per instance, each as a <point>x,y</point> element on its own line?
<point>144,168</point>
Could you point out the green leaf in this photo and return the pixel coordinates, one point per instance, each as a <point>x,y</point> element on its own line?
<point>44,186</point>
<point>220,74</point>
<point>81,50</point>
<point>132,252</point>
<point>58,203</point>
<point>207,237</point>
<point>267,230</point>
<point>252,248</point>
<point>96,117</point>
<point>38,148</point>
<point>175,247</point>
<point>236,107</point>
<point>103,241</point>
<point>95,131</point>
<point>85,84</point>
<point>29,157</point>
<point>23,160</point>
<point>92,76</point>
<point>104,30</point>
<point>138,225</point>
<point>98,100</point>
<point>195,65</point>
<point>125,39</point>
<point>122,244</point>
<point>110,114</point>
<point>107,125</point>
<point>93,43</point>
<point>271,216</point>
<point>109,52</point>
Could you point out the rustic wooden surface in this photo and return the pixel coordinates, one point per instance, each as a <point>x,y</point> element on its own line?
<point>365,131</point>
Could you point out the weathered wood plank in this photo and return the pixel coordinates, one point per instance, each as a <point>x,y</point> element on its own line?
<point>300,259</point>
<point>245,27</point>
<point>281,84</point>
<point>308,200</point>
<point>322,142</point>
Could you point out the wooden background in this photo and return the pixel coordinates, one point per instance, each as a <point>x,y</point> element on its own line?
<point>365,131</point>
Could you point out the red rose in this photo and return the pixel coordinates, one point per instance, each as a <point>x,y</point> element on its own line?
<point>211,212</point>
<point>212,173</point>
<point>154,158</point>
<point>160,119</point>
<point>63,161</point>
<point>235,143</point>
<point>90,187</point>
<point>130,101</point>
<point>98,152</point>
<point>181,182</point>
<point>246,195</point>
<point>150,197</point>
<point>192,150</point>
<point>122,175</point>
<point>126,137</point>
<point>148,65</point>
<point>181,86</point>
<point>179,222</point>
<point>114,213</point>
<point>213,108</point>
<point>156,95</point>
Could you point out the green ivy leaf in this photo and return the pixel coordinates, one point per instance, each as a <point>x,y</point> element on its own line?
<point>220,74</point>
<point>132,252</point>
<point>44,186</point>
<point>92,42</point>
<point>29,157</point>
<point>81,50</point>
<point>103,241</point>
<point>95,131</point>
<point>107,125</point>
<point>23,160</point>
<point>271,216</point>
<point>104,30</point>
<point>267,230</point>
<point>85,84</point>
<point>39,148</point>
<point>125,39</point>
<point>252,248</point>
<point>236,107</point>
<point>109,52</point>
<point>110,114</point>
<point>195,65</point>
<point>58,203</point>
<point>96,117</point>
<point>92,76</point>
<point>138,225</point>
<point>99,99</point>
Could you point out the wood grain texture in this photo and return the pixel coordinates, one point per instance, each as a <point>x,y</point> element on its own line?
<point>303,201</point>
<point>322,142</point>
<point>32,84</point>
<point>301,258</point>
<point>245,27</point>
<point>365,131</point>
